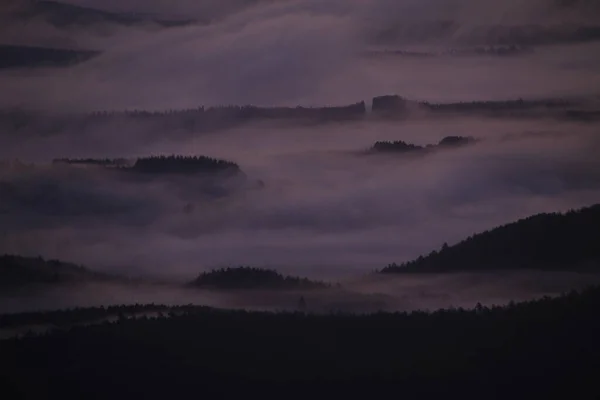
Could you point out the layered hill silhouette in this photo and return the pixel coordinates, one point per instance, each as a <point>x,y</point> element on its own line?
<point>553,241</point>
<point>65,15</point>
<point>158,165</point>
<point>489,51</point>
<point>217,118</point>
<point>252,278</point>
<point>493,35</point>
<point>33,56</point>
<point>401,147</point>
<point>17,271</point>
<point>546,348</point>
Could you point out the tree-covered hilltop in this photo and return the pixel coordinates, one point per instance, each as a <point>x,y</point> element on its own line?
<point>102,162</point>
<point>547,348</point>
<point>68,317</point>
<point>64,15</point>
<point>456,141</point>
<point>399,146</point>
<point>32,56</point>
<point>396,146</point>
<point>553,241</point>
<point>499,51</point>
<point>172,164</point>
<point>182,165</point>
<point>16,271</point>
<point>201,118</point>
<point>498,105</point>
<point>252,278</point>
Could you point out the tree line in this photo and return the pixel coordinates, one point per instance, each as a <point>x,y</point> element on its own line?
<point>549,241</point>
<point>12,56</point>
<point>399,146</point>
<point>536,349</point>
<point>17,271</point>
<point>249,112</point>
<point>252,278</point>
<point>104,162</point>
<point>182,164</point>
<point>173,164</point>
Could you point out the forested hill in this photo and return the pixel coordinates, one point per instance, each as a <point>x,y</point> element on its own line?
<point>554,241</point>
<point>16,271</point>
<point>252,278</point>
<point>32,56</point>
<point>64,14</point>
<point>536,350</point>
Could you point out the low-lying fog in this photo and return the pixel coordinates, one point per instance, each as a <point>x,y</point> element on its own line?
<point>325,210</point>
<point>356,295</point>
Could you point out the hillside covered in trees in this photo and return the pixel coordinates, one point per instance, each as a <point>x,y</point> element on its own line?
<point>173,164</point>
<point>252,278</point>
<point>31,56</point>
<point>183,165</point>
<point>399,146</point>
<point>223,116</point>
<point>398,107</point>
<point>219,118</point>
<point>64,14</point>
<point>553,241</point>
<point>538,349</point>
<point>101,162</point>
<point>490,51</point>
<point>17,271</point>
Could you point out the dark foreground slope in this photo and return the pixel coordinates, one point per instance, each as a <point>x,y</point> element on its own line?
<point>530,350</point>
<point>554,241</point>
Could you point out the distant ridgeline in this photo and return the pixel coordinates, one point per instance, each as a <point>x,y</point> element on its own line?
<point>31,56</point>
<point>499,50</point>
<point>62,14</point>
<point>252,278</point>
<point>397,106</point>
<point>18,271</point>
<point>183,165</point>
<point>101,162</point>
<point>173,164</point>
<point>212,119</point>
<point>247,112</point>
<point>388,106</point>
<point>498,35</point>
<point>398,146</point>
<point>554,241</point>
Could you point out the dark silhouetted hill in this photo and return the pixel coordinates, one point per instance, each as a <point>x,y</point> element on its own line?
<point>31,56</point>
<point>64,15</point>
<point>554,241</point>
<point>182,165</point>
<point>173,164</point>
<point>496,51</point>
<point>547,348</point>
<point>399,146</point>
<point>102,162</point>
<point>207,118</point>
<point>456,141</point>
<point>486,35</point>
<point>498,106</point>
<point>16,271</point>
<point>252,278</point>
